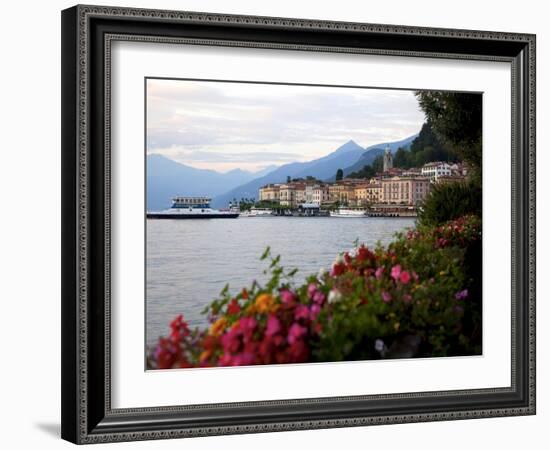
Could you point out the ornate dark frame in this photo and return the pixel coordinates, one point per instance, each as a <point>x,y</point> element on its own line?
<point>87,32</point>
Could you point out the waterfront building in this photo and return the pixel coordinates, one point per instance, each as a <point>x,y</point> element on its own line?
<point>269,192</point>
<point>434,170</point>
<point>405,190</point>
<point>368,193</point>
<point>299,194</point>
<point>320,194</point>
<point>286,195</point>
<point>388,159</point>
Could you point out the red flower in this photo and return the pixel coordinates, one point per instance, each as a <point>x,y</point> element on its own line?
<point>233,307</point>
<point>404,277</point>
<point>338,269</point>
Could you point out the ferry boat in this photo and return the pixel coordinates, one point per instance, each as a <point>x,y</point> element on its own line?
<point>348,212</point>
<point>192,208</point>
<point>257,212</point>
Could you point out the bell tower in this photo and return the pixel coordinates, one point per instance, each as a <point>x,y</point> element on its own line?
<point>388,159</point>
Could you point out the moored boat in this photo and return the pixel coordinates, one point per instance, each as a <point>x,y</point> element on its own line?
<point>192,208</point>
<point>257,212</point>
<point>348,212</point>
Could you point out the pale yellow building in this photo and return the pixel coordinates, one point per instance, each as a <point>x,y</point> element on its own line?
<point>269,193</point>
<point>368,194</point>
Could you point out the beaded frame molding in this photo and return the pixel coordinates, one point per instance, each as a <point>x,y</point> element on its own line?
<point>87,35</point>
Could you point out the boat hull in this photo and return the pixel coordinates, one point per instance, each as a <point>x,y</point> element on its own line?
<point>191,216</point>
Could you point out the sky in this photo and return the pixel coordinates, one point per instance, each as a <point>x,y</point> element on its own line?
<point>224,126</point>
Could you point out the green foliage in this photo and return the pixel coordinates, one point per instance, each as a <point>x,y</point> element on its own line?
<point>385,315</point>
<point>369,170</point>
<point>339,174</point>
<point>456,119</point>
<point>246,203</point>
<point>450,201</point>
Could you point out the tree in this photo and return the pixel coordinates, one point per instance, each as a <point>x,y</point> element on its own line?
<point>401,158</point>
<point>456,119</point>
<point>288,179</point>
<point>339,174</point>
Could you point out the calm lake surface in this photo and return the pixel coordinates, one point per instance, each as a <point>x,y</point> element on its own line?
<point>190,261</point>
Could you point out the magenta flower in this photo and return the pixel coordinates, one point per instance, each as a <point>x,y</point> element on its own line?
<point>247,325</point>
<point>461,295</point>
<point>314,311</point>
<point>295,332</point>
<point>319,297</point>
<point>386,297</point>
<point>395,272</point>
<point>243,359</point>
<point>404,277</point>
<point>231,341</point>
<point>287,297</point>
<point>379,272</point>
<point>301,312</point>
<point>273,325</point>
<point>311,289</point>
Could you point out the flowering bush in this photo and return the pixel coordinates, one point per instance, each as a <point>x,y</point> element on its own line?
<point>417,297</point>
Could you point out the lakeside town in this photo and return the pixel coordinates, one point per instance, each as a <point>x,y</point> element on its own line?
<point>394,192</point>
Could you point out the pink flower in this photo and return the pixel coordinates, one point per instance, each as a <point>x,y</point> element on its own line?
<point>395,272</point>
<point>311,289</point>
<point>462,294</point>
<point>386,297</point>
<point>295,332</point>
<point>247,325</point>
<point>404,277</point>
<point>287,297</point>
<point>407,297</point>
<point>231,341</point>
<point>243,359</point>
<point>314,311</point>
<point>273,325</point>
<point>379,272</point>
<point>301,312</point>
<point>319,297</point>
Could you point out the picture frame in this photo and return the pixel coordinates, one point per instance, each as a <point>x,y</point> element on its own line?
<point>87,35</point>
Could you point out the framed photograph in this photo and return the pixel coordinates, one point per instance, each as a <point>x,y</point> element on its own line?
<point>278,224</point>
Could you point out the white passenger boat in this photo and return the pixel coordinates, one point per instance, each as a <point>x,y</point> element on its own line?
<point>348,212</point>
<point>192,208</point>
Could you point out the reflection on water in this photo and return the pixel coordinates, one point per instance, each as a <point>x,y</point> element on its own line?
<point>190,261</point>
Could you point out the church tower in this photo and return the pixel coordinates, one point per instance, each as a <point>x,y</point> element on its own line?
<point>388,159</point>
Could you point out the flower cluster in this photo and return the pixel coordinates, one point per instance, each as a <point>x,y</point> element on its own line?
<point>409,299</point>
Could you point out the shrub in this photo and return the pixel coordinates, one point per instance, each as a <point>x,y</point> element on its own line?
<point>411,299</point>
<point>450,201</point>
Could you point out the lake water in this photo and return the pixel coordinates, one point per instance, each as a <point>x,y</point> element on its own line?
<point>190,261</point>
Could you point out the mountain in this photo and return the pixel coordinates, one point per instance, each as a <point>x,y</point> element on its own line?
<point>321,168</point>
<point>167,178</point>
<point>265,171</point>
<point>373,151</point>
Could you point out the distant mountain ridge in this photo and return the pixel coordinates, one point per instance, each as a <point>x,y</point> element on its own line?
<point>321,168</point>
<point>324,168</point>
<point>167,178</point>
<point>373,151</point>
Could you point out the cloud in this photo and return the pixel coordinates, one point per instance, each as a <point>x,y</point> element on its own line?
<point>246,124</point>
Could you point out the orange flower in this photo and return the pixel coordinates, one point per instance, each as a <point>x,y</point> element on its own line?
<point>218,327</point>
<point>265,303</point>
<point>205,355</point>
